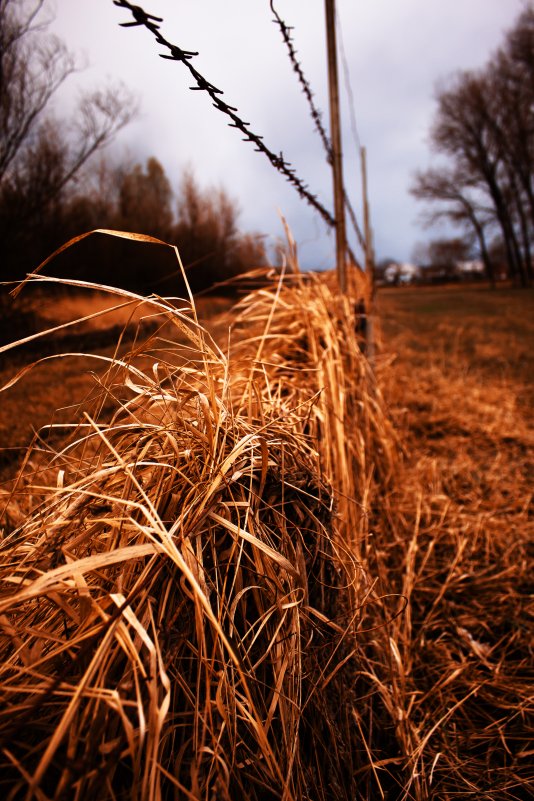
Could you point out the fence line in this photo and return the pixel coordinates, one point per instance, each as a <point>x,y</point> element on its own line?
<point>176,53</point>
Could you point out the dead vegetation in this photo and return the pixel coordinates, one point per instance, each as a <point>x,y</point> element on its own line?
<point>456,540</point>
<point>240,576</point>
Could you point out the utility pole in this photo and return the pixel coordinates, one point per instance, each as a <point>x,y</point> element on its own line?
<point>335,130</point>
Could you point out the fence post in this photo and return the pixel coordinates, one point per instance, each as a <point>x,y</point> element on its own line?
<point>335,129</point>
<point>369,259</point>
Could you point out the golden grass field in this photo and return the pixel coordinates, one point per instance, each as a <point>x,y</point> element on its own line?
<point>253,568</point>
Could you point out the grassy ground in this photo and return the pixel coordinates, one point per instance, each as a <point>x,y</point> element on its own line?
<point>459,371</point>
<point>456,368</point>
<point>457,535</point>
<point>460,377</point>
<point>444,690</point>
<point>461,328</point>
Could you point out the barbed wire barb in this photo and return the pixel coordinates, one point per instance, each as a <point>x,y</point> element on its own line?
<point>141,17</point>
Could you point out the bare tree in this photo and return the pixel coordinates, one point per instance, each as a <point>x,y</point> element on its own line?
<point>512,76</point>
<point>484,125</point>
<point>457,205</point>
<point>145,200</point>
<point>464,130</point>
<point>446,253</point>
<point>208,235</point>
<point>32,68</point>
<point>39,156</point>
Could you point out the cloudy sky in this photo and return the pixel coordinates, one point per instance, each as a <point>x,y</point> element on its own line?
<point>396,51</point>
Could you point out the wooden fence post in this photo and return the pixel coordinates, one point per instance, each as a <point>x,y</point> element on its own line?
<point>369,259</point>
<point>335,131</point>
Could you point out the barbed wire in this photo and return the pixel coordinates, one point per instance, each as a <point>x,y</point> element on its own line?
<point>149,21</point>
<point>315,113</point>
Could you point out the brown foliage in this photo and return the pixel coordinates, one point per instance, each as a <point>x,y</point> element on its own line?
<point>40,156</point>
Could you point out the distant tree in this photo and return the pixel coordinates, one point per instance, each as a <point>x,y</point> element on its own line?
<point>140,199</point>
<point>446,253</point>
<point>465,130</point>
<point>497,252</point>
<point>485,126</point>
<point>40,157</point>
<point>511,75</point>
<point>95,203</point>
<point>208,238</point>
<point>440,257</point>
<point>458,204</point>
<point>145,200</point>
<point>31,70</point>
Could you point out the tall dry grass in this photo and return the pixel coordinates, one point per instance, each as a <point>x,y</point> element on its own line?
<point>227,583</point>
<point>179,607</point>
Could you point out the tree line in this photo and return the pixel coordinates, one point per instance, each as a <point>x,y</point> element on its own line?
<point>484,130</point>
<point>57,180</point>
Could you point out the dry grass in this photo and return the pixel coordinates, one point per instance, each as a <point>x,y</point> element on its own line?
<point>184,588</point>
<point>226,583</point>
<point>54,388</point>
<point>456,539</point>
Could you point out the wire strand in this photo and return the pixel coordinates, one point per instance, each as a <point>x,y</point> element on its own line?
<point>315,113</point>
<point>348,84</point>
<point>142,18</point>
<point>176,53</point>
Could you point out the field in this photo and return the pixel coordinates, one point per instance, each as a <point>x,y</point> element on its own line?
<point>460,384</point>
<point>404,500</point>
<point>460,391</point>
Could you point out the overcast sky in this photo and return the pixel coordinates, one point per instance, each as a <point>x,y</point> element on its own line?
<point>396,51</point>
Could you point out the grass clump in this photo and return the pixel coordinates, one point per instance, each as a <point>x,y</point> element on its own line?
<point>241,576</point>
<point>178,610</point>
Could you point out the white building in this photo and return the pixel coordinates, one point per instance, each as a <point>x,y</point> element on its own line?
<point>401,273</point>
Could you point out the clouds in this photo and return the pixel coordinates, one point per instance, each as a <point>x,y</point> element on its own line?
<point>395,52</point>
